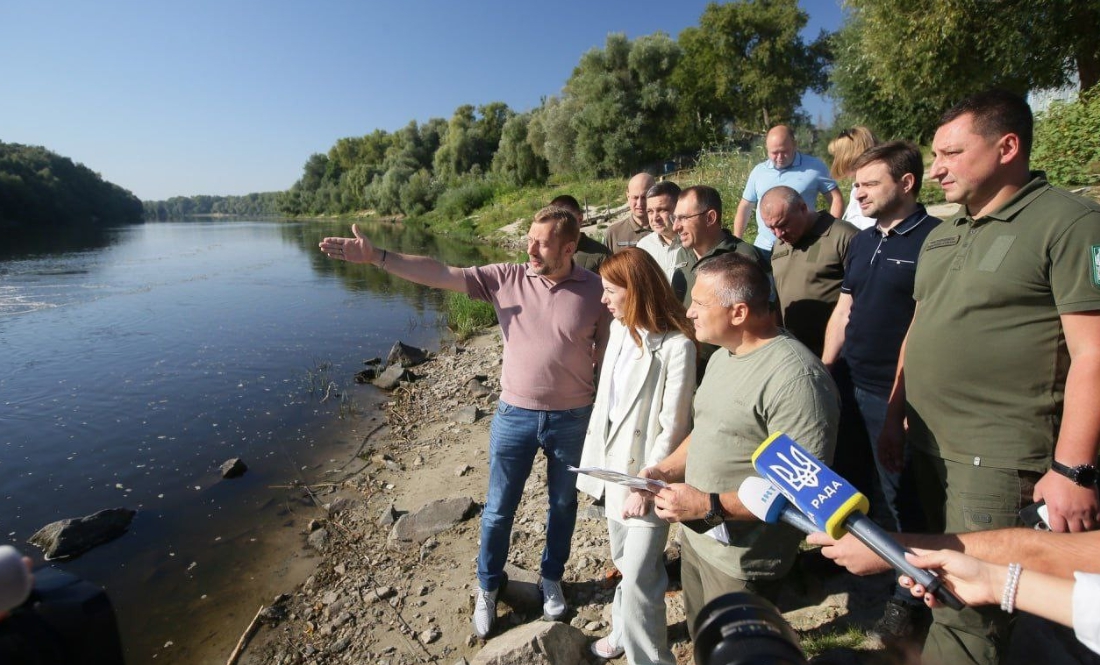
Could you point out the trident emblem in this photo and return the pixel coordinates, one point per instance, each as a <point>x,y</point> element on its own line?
<point>798,474</point>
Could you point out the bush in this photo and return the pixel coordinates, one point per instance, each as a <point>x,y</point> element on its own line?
<point>1067,141</point>
<point>460,201</point>
<point>465,316</point>
<point>726,171</point>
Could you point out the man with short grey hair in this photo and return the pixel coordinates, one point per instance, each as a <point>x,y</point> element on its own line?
<point>761,380</point>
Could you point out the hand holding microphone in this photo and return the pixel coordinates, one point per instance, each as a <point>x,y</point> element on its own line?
<point>835,507</point>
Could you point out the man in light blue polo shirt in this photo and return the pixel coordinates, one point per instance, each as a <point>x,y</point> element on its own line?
<point>805,174</point>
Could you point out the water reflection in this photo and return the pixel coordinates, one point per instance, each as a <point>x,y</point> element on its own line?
<point>150,355</point>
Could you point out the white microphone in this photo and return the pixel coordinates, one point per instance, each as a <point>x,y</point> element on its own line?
<point>15,581</point>
<point>764,500</point>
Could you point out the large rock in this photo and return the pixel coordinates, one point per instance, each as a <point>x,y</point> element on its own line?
<point>70,538</point>
<point>392,377</point>
<point>406,356</point>
<point>233,468</point>
<point>414,528</point>
<point>536,643</point>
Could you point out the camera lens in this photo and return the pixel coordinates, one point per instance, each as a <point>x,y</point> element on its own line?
<point>744,629</point>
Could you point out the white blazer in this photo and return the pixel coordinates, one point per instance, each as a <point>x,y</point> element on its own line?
<point>655,407</point>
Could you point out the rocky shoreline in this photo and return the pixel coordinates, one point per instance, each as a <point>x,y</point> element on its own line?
<point>396,544</point>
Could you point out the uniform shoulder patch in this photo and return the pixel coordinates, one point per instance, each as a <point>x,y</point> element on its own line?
<point>1095,253</point>
<point>942,242</point>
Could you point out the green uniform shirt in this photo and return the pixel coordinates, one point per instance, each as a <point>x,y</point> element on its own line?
<point>624,234</point>
<point>986,358</point>
<point>683,279</point>
<point>743,400</point>
<point>808,276</point>
<point>590,253</point>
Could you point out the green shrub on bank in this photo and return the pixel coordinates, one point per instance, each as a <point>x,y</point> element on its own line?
<point>460,201</point>
<point>464,316</point>
<point>1067,141</point>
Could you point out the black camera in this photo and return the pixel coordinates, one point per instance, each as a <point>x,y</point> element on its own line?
<point>65,621</point>
<point>744,629</point>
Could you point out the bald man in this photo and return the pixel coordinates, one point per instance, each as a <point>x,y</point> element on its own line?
<point>626,233</point>
<point>805,174</point>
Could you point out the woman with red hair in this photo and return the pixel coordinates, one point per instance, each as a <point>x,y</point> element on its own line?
<point>642,413</point>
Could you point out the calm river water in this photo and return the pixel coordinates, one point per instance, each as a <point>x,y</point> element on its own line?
<point>135,361</point>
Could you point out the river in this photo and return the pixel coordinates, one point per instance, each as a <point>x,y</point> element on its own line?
<point>135,360</point>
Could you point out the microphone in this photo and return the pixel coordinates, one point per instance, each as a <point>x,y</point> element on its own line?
<point>15,581</point>
<point>835,507</point>
<point>764,500</point>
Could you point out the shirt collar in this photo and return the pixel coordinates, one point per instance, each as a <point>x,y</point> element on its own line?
<point>919,216</point>
<point>579,274</point>
<point>1020,200</point>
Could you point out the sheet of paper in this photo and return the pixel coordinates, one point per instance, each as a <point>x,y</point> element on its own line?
<point>626,480</point>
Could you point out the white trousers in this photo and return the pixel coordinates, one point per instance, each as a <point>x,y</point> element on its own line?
<point>638,621</point>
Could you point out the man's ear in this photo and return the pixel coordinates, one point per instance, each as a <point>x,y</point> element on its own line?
<point>908,181</point>
<point>739,313</point>
<point>1009,148</point>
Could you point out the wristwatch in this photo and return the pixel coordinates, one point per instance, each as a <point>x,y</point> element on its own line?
<point>1084,475</point>
<point>714,516</point>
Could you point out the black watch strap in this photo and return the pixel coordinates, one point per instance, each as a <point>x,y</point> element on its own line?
<point>1084,475</point>
<point>714,516</point>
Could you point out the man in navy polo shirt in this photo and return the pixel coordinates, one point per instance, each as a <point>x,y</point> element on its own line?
<point>872,315</point>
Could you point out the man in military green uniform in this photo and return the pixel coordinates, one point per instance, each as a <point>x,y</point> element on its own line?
<point>999,377</point>
<point>698,221</point>
<point>808,262</point>
<point>626,233</point>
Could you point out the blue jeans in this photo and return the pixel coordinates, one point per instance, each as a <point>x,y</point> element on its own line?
<point>872,409</point>
<point>514,437</point>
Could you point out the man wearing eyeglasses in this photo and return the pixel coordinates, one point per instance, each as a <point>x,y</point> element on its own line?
<point>698,222</point>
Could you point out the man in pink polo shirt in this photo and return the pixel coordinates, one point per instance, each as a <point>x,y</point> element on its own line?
<point>555,329</point>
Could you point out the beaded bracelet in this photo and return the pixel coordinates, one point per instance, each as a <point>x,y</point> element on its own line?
<point>382,263</point>
<point>1012,583</point>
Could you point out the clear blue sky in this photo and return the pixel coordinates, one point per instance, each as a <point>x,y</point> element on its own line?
<point>231,97</point>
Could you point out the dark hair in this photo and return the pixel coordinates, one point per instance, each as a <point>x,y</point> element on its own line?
<point>900,157</point>
<point>741,279</point>
<point>569,203</point>
<point>651,304</point>
<point>706,196</point>
<point>996,113</point>
<point>664,188</point>
<point>565,222</point>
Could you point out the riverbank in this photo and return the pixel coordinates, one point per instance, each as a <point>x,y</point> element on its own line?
<point>375,598</point>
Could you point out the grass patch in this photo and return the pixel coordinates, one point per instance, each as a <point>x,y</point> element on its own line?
<point>464,316</point>
<point>815,643</point>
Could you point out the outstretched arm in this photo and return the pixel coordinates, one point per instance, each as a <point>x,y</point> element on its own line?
<point>419,269</point>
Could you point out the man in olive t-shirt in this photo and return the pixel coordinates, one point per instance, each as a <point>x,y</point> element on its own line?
<point>1000,371</point>
<point>760,381</point>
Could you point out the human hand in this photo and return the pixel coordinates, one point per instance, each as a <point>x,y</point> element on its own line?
<point>637,504</point>
<point>974,581</point>
<point>354,250</point>
<point>680,502</point>
<point>1069,506</point>
<point>649,472</point>
<point>850,553</point>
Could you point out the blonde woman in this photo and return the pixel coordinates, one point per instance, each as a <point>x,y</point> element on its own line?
<point>642,412</point>
<point>845,148</point>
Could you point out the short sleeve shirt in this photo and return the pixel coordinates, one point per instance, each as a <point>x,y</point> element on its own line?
<point>683,278</point>
<point>986,359</point>
<point>623,234</point>
<point>879,278</point>
<point>744,399</point>
<point>670,257</point>
<point>806,175</point>
<point>552,333</point>
<point>590,253</point>
<point>808,275</point>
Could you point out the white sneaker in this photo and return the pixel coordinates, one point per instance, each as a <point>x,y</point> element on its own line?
<point>553,600</point>
<point>485,612</point>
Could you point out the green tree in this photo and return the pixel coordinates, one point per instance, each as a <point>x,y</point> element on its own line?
<point>746,65</point>
<point>515,161</point>
<point>899,63</point>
